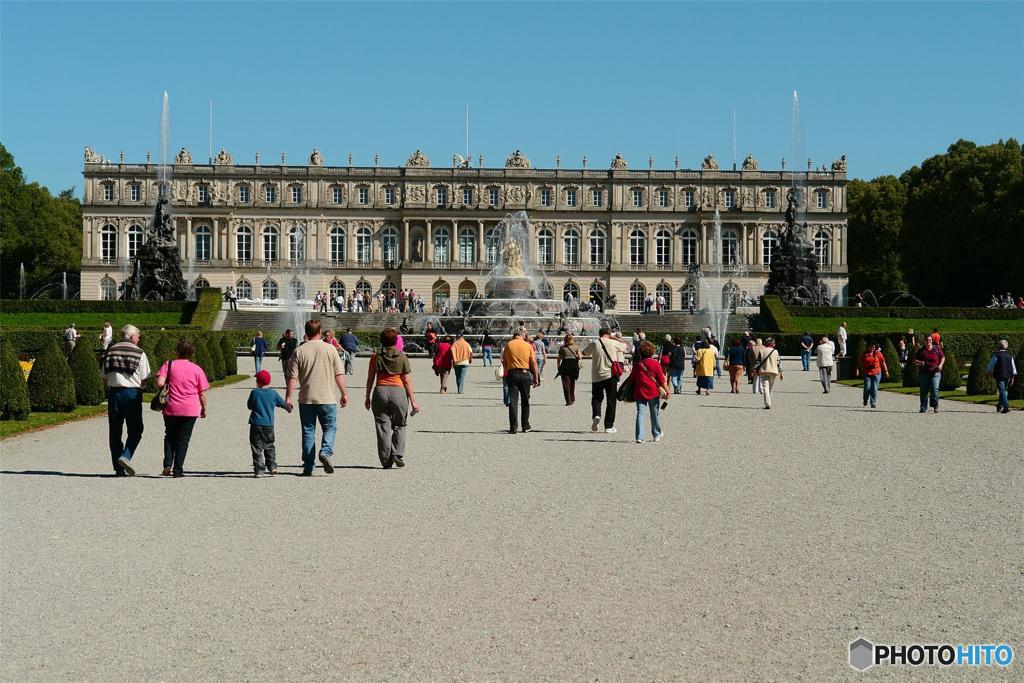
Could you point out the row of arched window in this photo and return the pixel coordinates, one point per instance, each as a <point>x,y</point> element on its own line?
<point>597,252</point>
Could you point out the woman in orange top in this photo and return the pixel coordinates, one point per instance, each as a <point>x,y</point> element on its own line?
<point>443,361</point>
<point>389,395</point>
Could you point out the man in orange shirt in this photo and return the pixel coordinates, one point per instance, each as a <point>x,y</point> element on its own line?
<point>462,356</point>
<point>520,362</point>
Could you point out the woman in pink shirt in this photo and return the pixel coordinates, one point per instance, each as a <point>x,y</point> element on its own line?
<point>186,401</point>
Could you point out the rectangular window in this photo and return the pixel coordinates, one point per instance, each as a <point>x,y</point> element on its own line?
<point>389,195</point>
<point>203,193</point>
<point>822,201</point>
<point>108,192</point>
<point>769,199</point>
<point>442,196</point>
<point>243,194</point>
<point>467,196</point>
<point>570,197</point>
<point>136,192</point>
<point>296,194</point>
<point>364,195</point>
<point>271,194</point>
<point>493,196</point>
<point>638,198</point>
<point>688,199</point>
<point>545,197</point>
<point>597,197</point>
<point>662,198</point>
<point>730,199</point>
<point>336,194</point>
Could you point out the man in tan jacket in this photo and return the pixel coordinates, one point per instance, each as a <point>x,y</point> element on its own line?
<point>767,367</point>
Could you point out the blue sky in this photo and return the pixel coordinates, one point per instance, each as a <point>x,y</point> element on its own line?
<point>888,84</point>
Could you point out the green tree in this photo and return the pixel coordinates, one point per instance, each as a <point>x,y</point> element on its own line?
<point>38,230</point>
<point>892,361</point>
<point>874,225</point>
<point>86,372</point>
<point>979,382</point>
<point>951,377</point>
<point>51,387</point>
<point>14,403</point>
<point>962,224</point>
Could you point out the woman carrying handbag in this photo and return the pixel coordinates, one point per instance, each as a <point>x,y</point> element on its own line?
<point>649,388</point>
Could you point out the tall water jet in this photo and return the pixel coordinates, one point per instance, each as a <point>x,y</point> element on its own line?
<point>719,293</point>
<point>64,285</point>
<point>21,281</point>
<point>165,131</point>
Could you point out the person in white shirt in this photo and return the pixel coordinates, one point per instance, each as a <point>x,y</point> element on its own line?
<point>71,337</point>
<point>825,356</point>
<point>841,334</point>
<point>125,367</point>
<point>106,335</point>
<point>661,304</point>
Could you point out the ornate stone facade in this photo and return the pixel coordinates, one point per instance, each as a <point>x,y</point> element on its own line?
<point>427,228</point>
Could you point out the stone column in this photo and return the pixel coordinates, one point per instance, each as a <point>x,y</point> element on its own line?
<point>428,250</point>
<point>677,248</point>
<point>705,253</point>
<point>406,255</point>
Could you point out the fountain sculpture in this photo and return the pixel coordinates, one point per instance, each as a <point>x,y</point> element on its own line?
<point>794,269</point>
<point>156,267</point>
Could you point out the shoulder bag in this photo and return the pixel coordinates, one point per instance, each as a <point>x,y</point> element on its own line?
<point>164,393</point>
<point>625,391</point>
<point>617,368</point>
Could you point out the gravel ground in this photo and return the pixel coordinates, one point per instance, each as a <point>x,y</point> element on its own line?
<point>748,544</point>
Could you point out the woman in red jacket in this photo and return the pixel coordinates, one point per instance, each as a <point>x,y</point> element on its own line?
<point>443,361</point>
<point>649,387</point>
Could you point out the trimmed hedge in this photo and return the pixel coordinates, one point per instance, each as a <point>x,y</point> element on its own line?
<point>216,356</point>
<point>86,372</point>
<point>79,306</point>
<point>51,387</point>
<point>938,312</point>
<point>1017,388</point>
<point>775,315</point>
<point>202,358</point>
<point>912,372</point>
<point>14,402</point>
<point>979,382</point>
<point>230,358</point>
<point>206,307</point>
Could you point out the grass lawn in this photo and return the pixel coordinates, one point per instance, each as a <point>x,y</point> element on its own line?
<point>876,325</point>
<point>955,395</point>
<point>37,421</point>
<point>59,321</point>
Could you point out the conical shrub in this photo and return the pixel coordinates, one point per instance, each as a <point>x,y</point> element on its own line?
<point>979,382</point>
<point>51,387</point>
<point>230,359</point>
<point>202,358</point>
<point>14,403</point>
<point>912,372</point>
<point>148,343</point>
<point>165,351</point>
<point>85,369</point>
<point>1017,390</point>
<point>892,361</point>
<point>216,356</point>
<point>950,373</point>
<point>858,349</point>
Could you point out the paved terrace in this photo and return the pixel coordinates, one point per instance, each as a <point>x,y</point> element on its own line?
<point>748,544</point>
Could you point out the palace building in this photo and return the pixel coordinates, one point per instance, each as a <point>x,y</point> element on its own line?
<point>283,231</point>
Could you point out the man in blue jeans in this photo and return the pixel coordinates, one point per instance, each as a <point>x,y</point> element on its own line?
<point>1003,368</point>
<point>806,344</point>
<point>125,367</point>
<point>316,368</point>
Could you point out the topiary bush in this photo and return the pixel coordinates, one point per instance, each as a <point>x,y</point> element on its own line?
<point>230,359</point>
<point>148,343</point>
<point>951,379</point>
<point>892,360</point>
<point>857,348</point>
<point>165,350</point>
<point>86,372</point>
<point>14,403</point>
<point>912,372</point>
<point>1016,390</point>
<point>51,386</point>
<point>979,382</point>
<point>216,356</point>
<point>202,358</point>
